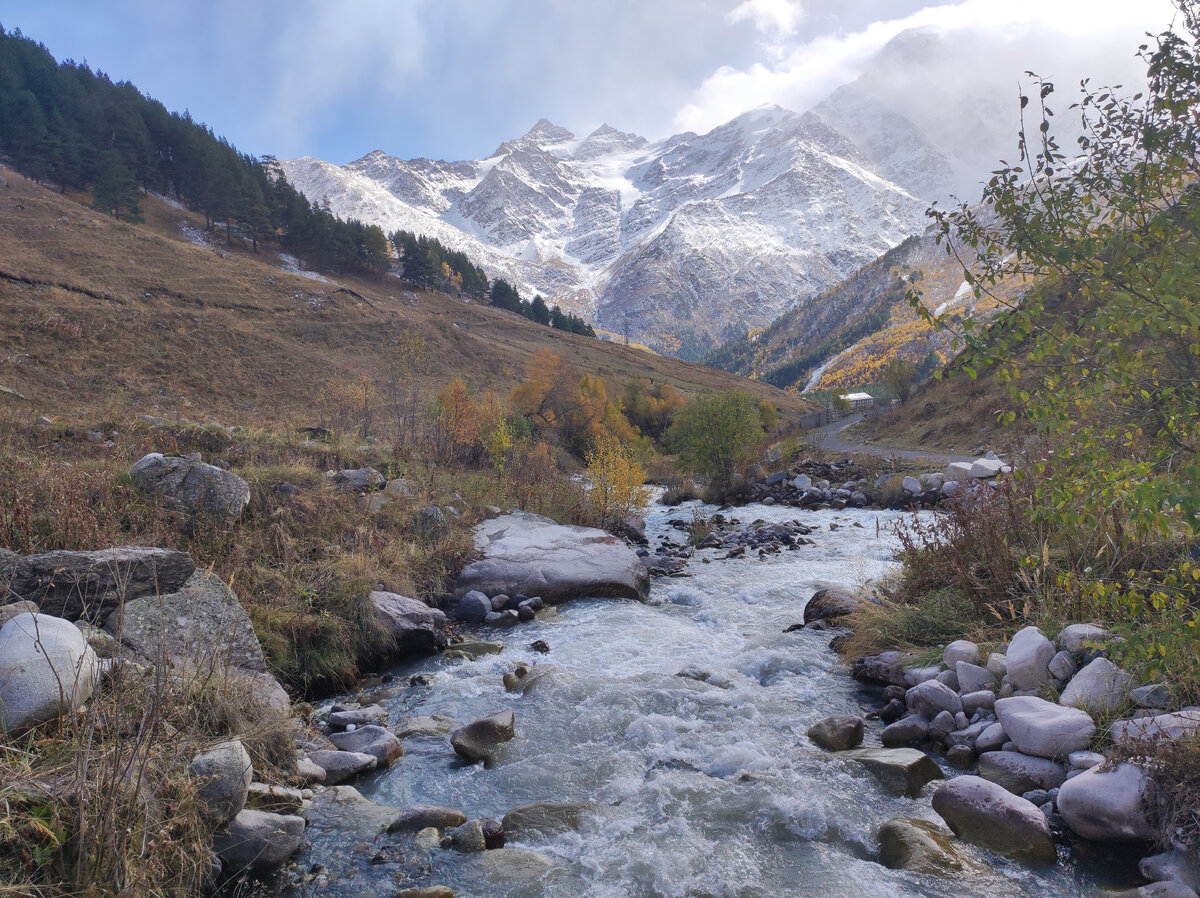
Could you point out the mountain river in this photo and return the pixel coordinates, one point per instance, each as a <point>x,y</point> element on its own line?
<point>700,787</point>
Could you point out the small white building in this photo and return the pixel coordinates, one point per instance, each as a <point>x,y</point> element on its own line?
<point>859,401</point>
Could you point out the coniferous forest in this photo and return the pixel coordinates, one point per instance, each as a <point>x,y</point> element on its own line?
<point>65,125</point>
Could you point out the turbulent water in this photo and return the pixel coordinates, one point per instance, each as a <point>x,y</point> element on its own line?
<point>700,788</point>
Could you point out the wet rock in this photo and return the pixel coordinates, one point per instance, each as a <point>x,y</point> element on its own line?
<point>493,833</point>
<point>886,668</point>
<point>986,814</point>
<point>1044,729</point>
<point>1028,659</point>
<point>420,816</point>
<point>414,627</point>
<point>258,841</point>
<point>918,846</point>
<point>541,646</point>
<point>830,604</point>
<point>473,606</point>
<point>357,717</point>
<point>902,771</point>
<point>893,711</point>
<point>471,649</point>
<point>1101,687</point>
<point>424,727</point>
<point>481,739</point>
<point>427,892</point>
<point>192,486</point>
<point>1170,866</point>
<point>507,618</point>
<point>370,740</point>
<point>543,819</point>
<point>224,773</point>
<point>837,733</point>
<point>340,766</point>
<point>515,865</point>
<point>467,838</point>
<point>46,669</point>
<point>1020,773</point>
<point>1108,804</point>
<point>89,585</point>
<point>532,555</point>
<point>961,756</point>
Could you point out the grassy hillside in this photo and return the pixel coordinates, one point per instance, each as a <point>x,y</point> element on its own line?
<point>106,315</point>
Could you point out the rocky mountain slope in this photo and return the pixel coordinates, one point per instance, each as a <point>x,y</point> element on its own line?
<point>679,244</point>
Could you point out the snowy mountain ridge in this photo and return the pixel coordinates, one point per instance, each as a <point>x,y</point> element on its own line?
<point>678,243</point>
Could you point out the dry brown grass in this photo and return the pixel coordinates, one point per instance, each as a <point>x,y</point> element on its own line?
<point>142,319</point>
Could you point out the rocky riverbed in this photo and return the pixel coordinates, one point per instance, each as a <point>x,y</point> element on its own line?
<point>660,748</point>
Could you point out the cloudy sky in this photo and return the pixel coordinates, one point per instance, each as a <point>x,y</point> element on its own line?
<point>453,78</point>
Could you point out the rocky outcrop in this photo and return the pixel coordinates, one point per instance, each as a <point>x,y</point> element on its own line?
<point>532,555</point>
<point>987,814</point>
<point>192,486</point>
<point>46,669</point>
<point>90,585</point>
<point>414,627</point>
<point>837,733</point>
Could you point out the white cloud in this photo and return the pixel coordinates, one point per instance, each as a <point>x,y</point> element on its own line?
<point>769,16</point>
<point>1062,37</point>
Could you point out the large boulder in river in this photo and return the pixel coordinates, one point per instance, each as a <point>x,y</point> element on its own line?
<point>837,733</point>
<point>192,486</point>
<point>987,814</point>
<point>46,668</point>
<point>830,604</point>
<point>918,846</point>
<point>91,584</point>
<point>415,628</point>
<point>543,819</point>
<point>480,739</point>
<point>902,771</point>
<point>1044,729</point>
<point>1108,803</point>
<point>532,555</point>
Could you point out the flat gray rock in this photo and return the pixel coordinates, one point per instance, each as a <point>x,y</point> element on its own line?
<point>532,555</point>
<point>1161,727</point>
<point>340,766</point>
<point>90,585</point>
<point>370,740</point>
<point>258,841</point>
<point>1044,729</point>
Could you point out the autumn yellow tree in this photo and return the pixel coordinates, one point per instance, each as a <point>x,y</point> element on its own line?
<point>617,481</point>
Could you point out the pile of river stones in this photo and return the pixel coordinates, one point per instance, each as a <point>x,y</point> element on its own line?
<point>1032,760</point>
<point>840,484</point>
